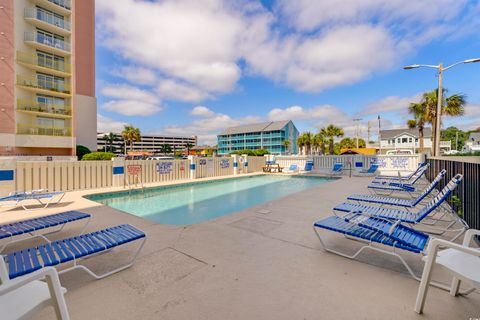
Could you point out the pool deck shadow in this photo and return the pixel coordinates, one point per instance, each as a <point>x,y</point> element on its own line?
<point>264,262</point>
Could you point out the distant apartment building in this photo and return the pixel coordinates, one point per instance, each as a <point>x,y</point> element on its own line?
<point>266,135</point>
<point>472,144</point>
<point>47,76</point>
<point>408,139</point>
<point>152,144</point>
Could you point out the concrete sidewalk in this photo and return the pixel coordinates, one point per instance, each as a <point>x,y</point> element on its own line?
<point>261,263</point>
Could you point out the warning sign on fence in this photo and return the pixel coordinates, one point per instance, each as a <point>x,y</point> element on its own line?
<point>164,167</point>
<point>134,169</point>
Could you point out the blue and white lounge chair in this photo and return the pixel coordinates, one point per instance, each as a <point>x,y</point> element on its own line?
<point>401,202</point>
<point>73,250</point>
<point>377,234</point>
<point>40,195</point>
<point>369,172</point>
<point>8,232</point>
<point>399,177</point>
<point>337,169</point>
<point>308,167</point>
<point>389,186</point>
<point>292,169</point>
<point>432,226</point>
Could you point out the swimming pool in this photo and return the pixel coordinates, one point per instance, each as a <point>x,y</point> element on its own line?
<point>201,201</point>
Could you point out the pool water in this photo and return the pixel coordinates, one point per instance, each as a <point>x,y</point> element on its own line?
<point>201,201</point>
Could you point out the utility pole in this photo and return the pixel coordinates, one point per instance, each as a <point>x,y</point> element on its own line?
<point>379,137</point>
<point>368,132</point>
<point>356,130</point>
<point>456,140</point>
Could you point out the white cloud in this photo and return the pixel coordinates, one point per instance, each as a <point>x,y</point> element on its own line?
<point>326,112</point>
<point>391,103</point>
<point>106,124</point>
<point>170,89</point>
<point>136,75</point>
<point>131,107</point>
<point>130,101</point>
<point>201,111</point>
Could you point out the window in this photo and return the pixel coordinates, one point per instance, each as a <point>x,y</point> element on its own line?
<point>398,140</point>
<point>50,82</point>
<point>50,17</point>
<point>50,39</point>
<point>50,61</point>
<point>410,140</point>
<point>50,122</point>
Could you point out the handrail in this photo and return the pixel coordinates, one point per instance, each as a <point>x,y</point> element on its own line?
<point>44,130</point>
<point>58,109</point>
<point>34,59</point>
<point>48,41</point>
<point>56,86</point>
<point>47,17</point>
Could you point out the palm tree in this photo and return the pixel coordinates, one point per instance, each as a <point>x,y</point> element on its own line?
<point>308,141</point>
<point>319,141</point>
<point>131,134</point>
<point>188,146</point>
<point>286,143</point>
<point>425,111</point>
<point>110,138</point>
<point>300,143</point>
<point>332,131</point>
<point>165,148</point>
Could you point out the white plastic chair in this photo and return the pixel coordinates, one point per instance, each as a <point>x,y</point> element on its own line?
<point>462,261</point>
<point>21,297</point>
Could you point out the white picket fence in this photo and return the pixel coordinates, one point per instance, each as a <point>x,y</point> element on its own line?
<point>213,167</point>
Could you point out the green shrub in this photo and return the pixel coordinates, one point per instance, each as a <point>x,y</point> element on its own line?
<point>248,152</point>
<point>98,156</point>
<point>81,151</point>
<point>261,152</point>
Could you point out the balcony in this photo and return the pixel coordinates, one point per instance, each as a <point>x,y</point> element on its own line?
<point>49,44</point>
<point>47,21</point>
<point>49,87</point>
<point>32,129</point>
<point>52,110</point>
<point>42,64</point>
<point>59,6</point>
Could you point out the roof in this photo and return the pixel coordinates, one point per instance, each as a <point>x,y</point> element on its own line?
<point>474,136</point>
<point>204,147</point>
<point>390,134</point>
<point>256,127</point>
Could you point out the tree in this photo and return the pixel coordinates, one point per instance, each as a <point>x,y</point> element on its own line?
<point>131,134</point>
<point>109,140</point>
<point>308,142</point>
<point>188,146</point>
<point>300,143</point>
<point>319,141</point>
<point>332,132</point>
<point>350,143</point>
<point>165,148</point>
<point>456,136</point>
<point>286,143</point>
<point>81,151</point>
<point>425,111</point>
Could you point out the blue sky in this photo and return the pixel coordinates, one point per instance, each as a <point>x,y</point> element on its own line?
<point>195,67</point>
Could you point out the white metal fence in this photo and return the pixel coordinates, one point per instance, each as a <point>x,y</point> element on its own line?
<point>213,167</point>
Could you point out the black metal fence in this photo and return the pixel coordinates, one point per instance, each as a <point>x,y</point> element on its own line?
<point>468,192</point>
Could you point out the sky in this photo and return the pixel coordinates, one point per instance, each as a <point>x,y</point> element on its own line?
<point>195,67</point>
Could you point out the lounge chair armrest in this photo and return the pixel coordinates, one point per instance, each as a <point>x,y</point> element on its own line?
<point>435,244</point>
<point>23,280</point>
<point>469,236</point>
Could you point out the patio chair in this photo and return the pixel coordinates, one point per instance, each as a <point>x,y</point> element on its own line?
<point>400,177</point>
<point>73,250</point>
<point>337,169</point>
<point>413,218</point>
<point>308,167</point>
<point>369,172</point>
<point>31,226</point>
<point>401,202</point>
<point>292,169</point>
<point>462,261</point>
<point>380,235</point>
<point>17,198</point>
<point>389,186</point>
<point>20,298</point>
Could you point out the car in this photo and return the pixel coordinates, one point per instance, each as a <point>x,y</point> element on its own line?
<point>399,152</point>
<point>160,158</point>
<point>451,152</point>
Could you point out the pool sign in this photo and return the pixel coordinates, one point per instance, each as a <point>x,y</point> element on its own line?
<point>164,167</point>
<point>224,164</point>
<point>202,162</point>
<point>134,169</point>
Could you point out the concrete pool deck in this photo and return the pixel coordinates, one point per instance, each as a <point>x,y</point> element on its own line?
<point>264,262</point>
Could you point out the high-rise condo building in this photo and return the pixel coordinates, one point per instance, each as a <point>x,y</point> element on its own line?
<point>47,77</point>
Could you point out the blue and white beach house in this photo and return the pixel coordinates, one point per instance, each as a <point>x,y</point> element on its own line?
<point>266,135</point>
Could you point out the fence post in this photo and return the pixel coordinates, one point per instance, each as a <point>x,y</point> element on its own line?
<point>235,164</point>
<point>245,163</point>
<point>192,162</point>
<point>8,176</point>
<point>118,171</point>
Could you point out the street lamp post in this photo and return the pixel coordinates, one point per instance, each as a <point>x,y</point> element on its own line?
<point>438,114</point>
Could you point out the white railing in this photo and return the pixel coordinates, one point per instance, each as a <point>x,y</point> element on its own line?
<point>48,41</point>
<point>34,13</point>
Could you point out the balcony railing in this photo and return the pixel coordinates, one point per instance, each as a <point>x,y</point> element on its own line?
<point>55,109</point>
<point>44,130</point>
<point>66,4</point>
<point>41,61</point>
<point>54,86</point>
<point>34,13</point>
<point>47,41</point>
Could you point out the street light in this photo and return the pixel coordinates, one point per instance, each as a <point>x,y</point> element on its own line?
<point>438,115</point>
